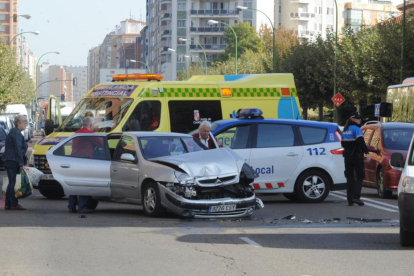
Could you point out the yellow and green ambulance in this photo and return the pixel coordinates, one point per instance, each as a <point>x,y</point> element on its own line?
<point>143,102</point>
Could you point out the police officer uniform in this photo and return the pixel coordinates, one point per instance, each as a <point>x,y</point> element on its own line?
<point>354,148</point>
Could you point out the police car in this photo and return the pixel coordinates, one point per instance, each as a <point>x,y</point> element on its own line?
<point>301,159</point>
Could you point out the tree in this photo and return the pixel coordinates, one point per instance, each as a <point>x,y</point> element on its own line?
<point>247,39</point>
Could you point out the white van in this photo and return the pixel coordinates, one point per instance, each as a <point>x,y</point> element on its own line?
<point>17,108</point>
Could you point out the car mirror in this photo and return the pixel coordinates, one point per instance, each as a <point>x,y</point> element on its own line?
<point>127,157</point>
<point>397,161</point>
<point>49,126</point>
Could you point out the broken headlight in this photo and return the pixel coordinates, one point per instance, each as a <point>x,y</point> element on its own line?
<point>184,179</point>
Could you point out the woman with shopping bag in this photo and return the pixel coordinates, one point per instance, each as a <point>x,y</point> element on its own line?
<point>14,157</point>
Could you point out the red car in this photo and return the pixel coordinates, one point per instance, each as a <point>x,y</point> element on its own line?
<point>386,138</point>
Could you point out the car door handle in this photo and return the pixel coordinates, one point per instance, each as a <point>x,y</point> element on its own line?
<point>114,170</point>
<point>292,154</point>
<point>65,166</point>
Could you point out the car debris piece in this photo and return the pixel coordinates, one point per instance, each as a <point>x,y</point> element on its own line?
<point>307,221</point>
<point>290,217</point>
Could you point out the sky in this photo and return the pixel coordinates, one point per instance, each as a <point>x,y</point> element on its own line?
<point>73,27</point>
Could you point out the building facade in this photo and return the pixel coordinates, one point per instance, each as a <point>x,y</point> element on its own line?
<point>180,28</point>
<point>79,83</point>
<point>93,67</point>
<point>8,23</point>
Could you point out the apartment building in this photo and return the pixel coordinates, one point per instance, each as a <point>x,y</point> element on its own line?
<point>93,67</point>
<point>79,83</point>
<point>8,23</point>
<point>177,28</point>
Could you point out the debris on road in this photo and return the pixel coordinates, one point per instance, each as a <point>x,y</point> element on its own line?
<point>290,217</point>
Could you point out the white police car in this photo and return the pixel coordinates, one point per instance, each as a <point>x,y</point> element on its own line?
<point>301,159</point>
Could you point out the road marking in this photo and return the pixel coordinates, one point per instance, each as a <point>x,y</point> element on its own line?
<point>249,241</point>
<point>370,204</point>
<point>371,200</point>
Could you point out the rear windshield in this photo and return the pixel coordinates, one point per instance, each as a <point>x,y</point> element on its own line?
<point>397,139</point>
<point>107,113</point>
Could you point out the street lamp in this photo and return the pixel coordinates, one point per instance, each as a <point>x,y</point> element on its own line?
<point>137,61</point>
<point>336,48</point>
<point>27,16</point>
<point>204,51</point>
<point>171,50</point>
<point>241,8</point>
<point>186,63</point>
<point>31,32</point>
<point>211,22</point>
<point>402,45</point>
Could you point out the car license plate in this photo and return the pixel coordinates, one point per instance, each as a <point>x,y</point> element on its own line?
<point>221,208</point>
<point>47,176</point>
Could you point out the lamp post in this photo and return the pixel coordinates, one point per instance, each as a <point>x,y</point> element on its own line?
<point>336,48</point>
<point>402,45</point>
<point>211,22</point>
<point>241,8</point>
<point>137,61</point>
<point>37,66</point>
<point>31,32</point>
<point>186,63</point>
<point>27,16</point>
<point>204,51</point>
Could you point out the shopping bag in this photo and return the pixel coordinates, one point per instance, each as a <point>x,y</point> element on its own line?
<point>26,187</point>
<point>33,174</point>
<point>5,184</point>
<point>18,186</point>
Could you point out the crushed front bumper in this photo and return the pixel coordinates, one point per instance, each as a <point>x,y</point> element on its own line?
<point>201,208</point>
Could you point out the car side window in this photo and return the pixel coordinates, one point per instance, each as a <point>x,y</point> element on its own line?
<point>145,117</point>
<point>89,147</point>
<point>275,135</point>
<point>375,140</point>
<point>312,135</point>
<point>367,135</point>
<point>125,145</point>
<point>235,137</point>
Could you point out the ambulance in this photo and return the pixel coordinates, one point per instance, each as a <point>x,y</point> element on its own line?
<point>143,102</point>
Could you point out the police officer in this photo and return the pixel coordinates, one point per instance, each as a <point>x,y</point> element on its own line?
<point>354,148</point>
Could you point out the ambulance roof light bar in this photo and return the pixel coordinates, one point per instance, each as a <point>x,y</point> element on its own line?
<point>249,113</point>
<point>132,77</point>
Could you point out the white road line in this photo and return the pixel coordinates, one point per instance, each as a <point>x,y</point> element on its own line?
<point>369,204</point>
<point>249,241</point>
<point>371,200</point>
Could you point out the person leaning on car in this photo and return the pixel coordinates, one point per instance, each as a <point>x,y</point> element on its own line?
<point>14,157</point>
<point>354,148</point>
<point>203,135</point>
<point>84,148</point>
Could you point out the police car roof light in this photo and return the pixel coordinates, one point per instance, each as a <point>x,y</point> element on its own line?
<point>250,113</point>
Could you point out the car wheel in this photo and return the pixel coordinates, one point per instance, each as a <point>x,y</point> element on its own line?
<point>151,200</point>
<point>292,197</point>
<point>406,237</point>
<point>382,192</point>
<point>54,192</point>
<point>312,186</point>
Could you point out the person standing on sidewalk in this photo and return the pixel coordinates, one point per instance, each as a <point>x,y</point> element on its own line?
<point>354,149</point>
<point>15,158</point>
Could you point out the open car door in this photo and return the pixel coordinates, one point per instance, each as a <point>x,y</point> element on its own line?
<point>81,164</point>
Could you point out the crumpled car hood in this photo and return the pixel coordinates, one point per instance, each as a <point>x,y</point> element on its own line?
<point>208,163</point>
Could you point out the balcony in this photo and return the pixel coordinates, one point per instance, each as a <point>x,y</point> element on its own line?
<point>214,13</point>
<point>167,16</point>
<point>207,30</point>
<point>208,47</point>
<point>166,33</point>
<point>166,1</point>
<point>301,16</point>
<point>305,33</point>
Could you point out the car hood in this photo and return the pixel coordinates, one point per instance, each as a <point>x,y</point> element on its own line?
<point>206,164</point>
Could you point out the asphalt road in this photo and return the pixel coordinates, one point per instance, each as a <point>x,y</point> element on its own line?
<point>329,238</point>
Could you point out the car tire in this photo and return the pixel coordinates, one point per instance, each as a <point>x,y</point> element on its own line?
<point>381,189</point>
<point>406,237</point>
<point>292,197</point>
<point>151,200</point>
<point>312,186</point>
<point>55,192</point>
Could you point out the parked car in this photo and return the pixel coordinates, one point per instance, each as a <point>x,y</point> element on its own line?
<point>7,120</point>
<point>3,136</point>
<point>386,139</point>
<point>405,194</point>
<point>159,171</point>
<point>300,159</point>
<point>30,130</point>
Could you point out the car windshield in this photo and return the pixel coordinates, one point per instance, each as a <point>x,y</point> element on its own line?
<point>108,112</point>
<point>153,147</point>
<point>397,139</point>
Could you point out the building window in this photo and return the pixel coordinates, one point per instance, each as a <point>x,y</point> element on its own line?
<point>2,28</point>
<point>181,23</point>
<point>2,6</point>
<point>181,6</point>
<point>2,17</point>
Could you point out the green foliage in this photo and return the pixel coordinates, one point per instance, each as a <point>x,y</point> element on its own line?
<point>15,84</point>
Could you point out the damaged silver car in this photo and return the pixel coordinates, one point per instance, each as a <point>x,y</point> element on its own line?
<point>160,171</point>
